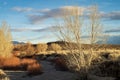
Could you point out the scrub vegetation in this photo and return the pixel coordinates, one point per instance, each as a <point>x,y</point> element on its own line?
<point>86,61</point>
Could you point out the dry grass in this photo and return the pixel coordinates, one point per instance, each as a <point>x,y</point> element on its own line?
<point>55,47</point>
<point>41,47</point>
<point>5,41</point>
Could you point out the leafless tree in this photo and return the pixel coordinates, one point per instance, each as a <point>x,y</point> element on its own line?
<point>70,31</point>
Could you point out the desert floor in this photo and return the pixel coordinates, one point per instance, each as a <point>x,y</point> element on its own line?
<point>49,73</point>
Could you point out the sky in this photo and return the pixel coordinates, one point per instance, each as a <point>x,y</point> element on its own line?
<point>34,20</point>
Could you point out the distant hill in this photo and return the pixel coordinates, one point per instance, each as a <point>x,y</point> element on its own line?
<point>84,46</point>
<point>17,42</point>
<point>87,46</point>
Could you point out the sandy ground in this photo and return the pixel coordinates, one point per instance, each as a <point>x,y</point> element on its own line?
<point>49,73</point>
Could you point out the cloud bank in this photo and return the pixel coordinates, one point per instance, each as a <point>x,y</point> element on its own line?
<point>19,9</point>
<point>113,30</point>
<point>43,14</point>
<point>54,13</point>
<point>115,15</point>
<point>47,29</point>
<point>38,16</point>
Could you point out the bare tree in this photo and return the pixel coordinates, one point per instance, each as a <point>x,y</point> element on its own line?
<point>70,31</point>
<point>6,45</point>
<point>95,24</point>
<point>96,32</point>
<point>96,27</point>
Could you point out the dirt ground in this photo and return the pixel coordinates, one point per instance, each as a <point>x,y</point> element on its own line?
<point>49,73</point>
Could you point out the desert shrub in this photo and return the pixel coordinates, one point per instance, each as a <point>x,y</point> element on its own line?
<point>1,61</point>
<point>105,55</point>
<point>60,64</point>
<point>55,47</point>
<point>110,68</point>
<point>16,53</point>
<point>23,54</point>
<point>114,56</point>
<point>41,47</point>
<point>77,62</point>
<point>11,63</point>
<point>34,69</point>
<point>29,49</point>
<point>25,62</point>
<point>26,49</point>
<point>17,47</point>
<point>6,45</point>
<point>28,61</point>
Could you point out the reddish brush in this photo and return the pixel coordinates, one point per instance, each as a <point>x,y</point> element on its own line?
<point>34,69</point>
<point>25,62</point>
<point>1,61</point>
<point>16,53</point>
<point>11,63</point>
<point>28,61</point>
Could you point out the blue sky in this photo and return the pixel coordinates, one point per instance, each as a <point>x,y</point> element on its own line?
<point>32,20</point>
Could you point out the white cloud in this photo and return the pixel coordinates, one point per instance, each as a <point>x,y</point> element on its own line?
<point>113,30</point>
<point>54,13</point>
<point>67,10</point>
<point>19,9</point>
<point>47,29</point>
<point>38,16</point>
<point>42,10</point>
<point>44,14</point>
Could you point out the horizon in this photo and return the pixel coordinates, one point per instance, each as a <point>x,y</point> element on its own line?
<point>34,20</point>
